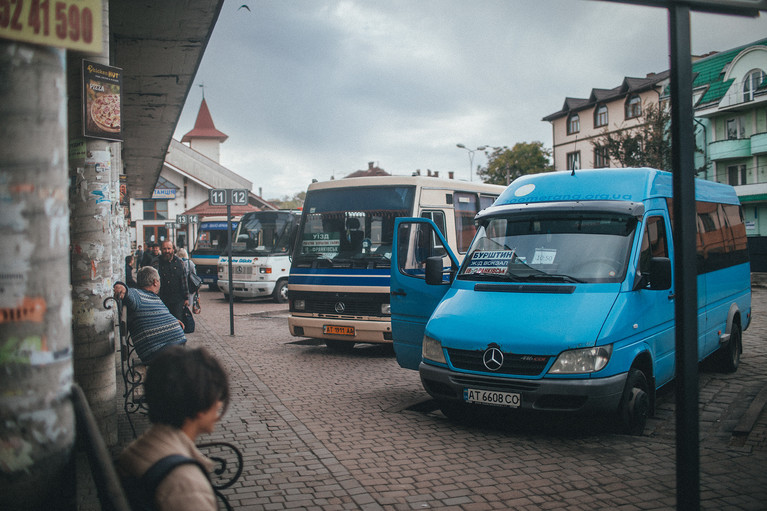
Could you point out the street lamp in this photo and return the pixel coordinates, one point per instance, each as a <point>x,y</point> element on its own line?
<point>471,157</point>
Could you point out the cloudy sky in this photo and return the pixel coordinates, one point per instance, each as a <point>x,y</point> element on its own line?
<point>309,89</point>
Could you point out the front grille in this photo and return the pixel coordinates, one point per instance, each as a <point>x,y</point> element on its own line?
<point>352,308</point>
<point>209,271</point>
<point>525,365</point>
<point>354,304</point>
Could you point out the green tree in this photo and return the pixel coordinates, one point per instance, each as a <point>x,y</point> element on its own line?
<point>504,165</point>
<point>646,145</point>
<point>288,202</point>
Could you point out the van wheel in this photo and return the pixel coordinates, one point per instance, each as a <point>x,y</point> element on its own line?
<point>635,403</point>
<point>729,354</point>
<point>280,293</point>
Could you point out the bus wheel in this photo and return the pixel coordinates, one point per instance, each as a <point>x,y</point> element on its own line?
<point>635,403</point>
<point>280,293</point>
<point>729,354</point>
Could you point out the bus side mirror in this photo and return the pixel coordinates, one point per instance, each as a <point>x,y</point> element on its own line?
<point>660,273</point>
<point>434,271</point>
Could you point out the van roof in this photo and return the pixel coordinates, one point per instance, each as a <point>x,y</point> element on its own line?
<point>625,184</point>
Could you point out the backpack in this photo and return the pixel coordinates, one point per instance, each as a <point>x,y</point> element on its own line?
<point>140,490</point>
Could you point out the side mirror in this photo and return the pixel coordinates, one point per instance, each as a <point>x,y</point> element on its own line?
<point>660,273</point>
<point>434,271</point>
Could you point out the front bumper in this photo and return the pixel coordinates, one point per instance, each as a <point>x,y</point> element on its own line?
<point>246,289</point>
<point>563,395</point>
<point>364,331</point>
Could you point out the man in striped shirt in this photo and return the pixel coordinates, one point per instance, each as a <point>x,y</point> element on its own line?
<point>150,323</point>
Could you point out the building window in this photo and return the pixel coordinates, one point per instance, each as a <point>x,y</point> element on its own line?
<point>633,107</point>
<point>574,161</point>
<point>752,83</point>
<point>736,175</point>
<point>155,209</point>
<point>600,116</point>
<point>601,159</point>
<point>735,129</point>
<point>573,124</point>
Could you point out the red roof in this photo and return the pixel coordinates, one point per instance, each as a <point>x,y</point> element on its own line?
<point>203,126</point>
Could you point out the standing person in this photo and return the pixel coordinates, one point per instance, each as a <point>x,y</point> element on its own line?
<point>189,267</point>
<point>139,255</point>
<point>151,256</point>
<point>174,291</point>
<point>187,392</point>
<point>129,272</point>
<point>151,325</point>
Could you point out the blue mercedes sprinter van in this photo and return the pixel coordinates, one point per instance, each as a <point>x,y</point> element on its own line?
<point>565,299</point>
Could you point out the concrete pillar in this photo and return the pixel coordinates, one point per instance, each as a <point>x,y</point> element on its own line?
<point>37,428</point>
<point>93,203</point>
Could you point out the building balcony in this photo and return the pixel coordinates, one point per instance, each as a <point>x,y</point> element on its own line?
<point>759,143</point>
<point>730,149</point>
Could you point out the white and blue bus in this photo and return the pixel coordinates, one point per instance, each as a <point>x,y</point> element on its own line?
<point>339,278</point>
<point>261,251</point>
<point>565,299</point>
<point>209,245</point>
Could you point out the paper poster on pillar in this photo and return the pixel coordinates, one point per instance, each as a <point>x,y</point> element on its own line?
<point>102,99</point>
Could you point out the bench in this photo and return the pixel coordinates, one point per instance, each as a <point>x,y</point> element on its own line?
<point>227,458</point>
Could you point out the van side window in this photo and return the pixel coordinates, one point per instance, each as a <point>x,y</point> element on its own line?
<point>438,217</point>
<point>466,207</point>
<point>653,242</point>
<point>415,245</point>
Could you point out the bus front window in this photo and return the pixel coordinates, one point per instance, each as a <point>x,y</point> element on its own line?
<point>351,227</point>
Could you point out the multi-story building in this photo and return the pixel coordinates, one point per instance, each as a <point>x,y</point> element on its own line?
<point>730,108</point>
<point>581,122</point>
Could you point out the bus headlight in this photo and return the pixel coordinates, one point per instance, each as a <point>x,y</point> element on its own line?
<point>432,350</point>
<point>386,309</point>
<point>586,360</point>
<point>299,305</point>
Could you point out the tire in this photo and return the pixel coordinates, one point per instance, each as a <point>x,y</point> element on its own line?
<point>635,403</point>
<point>280,293</point>
<point>728,355</point>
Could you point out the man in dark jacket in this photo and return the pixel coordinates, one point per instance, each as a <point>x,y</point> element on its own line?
<point>151,256</point>
<point>174,291</point>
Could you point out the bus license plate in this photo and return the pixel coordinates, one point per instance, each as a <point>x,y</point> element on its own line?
<point>338,330</point>
<point>489,397</point>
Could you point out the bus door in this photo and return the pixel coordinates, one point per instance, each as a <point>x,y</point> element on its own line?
<point>412,300</point>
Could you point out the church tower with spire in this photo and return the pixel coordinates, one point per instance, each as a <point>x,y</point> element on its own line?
<point>204,137</point>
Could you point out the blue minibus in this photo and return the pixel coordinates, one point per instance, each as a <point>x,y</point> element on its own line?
<point>564,301</point>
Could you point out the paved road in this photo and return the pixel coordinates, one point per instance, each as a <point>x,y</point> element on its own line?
<point>327,430</point>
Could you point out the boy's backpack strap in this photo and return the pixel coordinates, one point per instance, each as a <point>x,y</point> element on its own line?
<point>157,472</point>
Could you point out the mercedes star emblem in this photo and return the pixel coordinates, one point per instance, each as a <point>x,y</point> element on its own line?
<point>493,359</point>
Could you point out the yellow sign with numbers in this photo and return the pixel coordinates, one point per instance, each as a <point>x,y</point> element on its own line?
<point>70,24</point>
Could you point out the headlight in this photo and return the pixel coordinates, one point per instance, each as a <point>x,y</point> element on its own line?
<point>386,309</point>
<point>299,305</point>
<point>432,350</point>
<point>587,360</point>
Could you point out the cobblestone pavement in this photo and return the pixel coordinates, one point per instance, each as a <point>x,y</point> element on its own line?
<point>326,430</point>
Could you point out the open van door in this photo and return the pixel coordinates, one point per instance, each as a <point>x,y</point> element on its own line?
<point>412,299</point>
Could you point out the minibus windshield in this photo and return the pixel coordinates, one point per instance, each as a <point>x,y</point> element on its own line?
<point>351,227</point>
<point>551,247</point>
<point>263,233</point>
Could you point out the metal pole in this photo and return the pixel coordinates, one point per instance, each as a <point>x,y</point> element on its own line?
<point>229,258</point>
<point>685,282</point>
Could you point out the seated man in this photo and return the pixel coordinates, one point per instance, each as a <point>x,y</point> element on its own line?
<point>150,323</point>
<point>187,391</point>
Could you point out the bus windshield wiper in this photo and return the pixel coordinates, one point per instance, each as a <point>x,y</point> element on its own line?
<point>553,277</point>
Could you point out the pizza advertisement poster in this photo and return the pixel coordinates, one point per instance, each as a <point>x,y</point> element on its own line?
<point>102,98</point>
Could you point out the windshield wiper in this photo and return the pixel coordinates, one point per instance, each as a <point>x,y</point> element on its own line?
<point>553,277</point>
